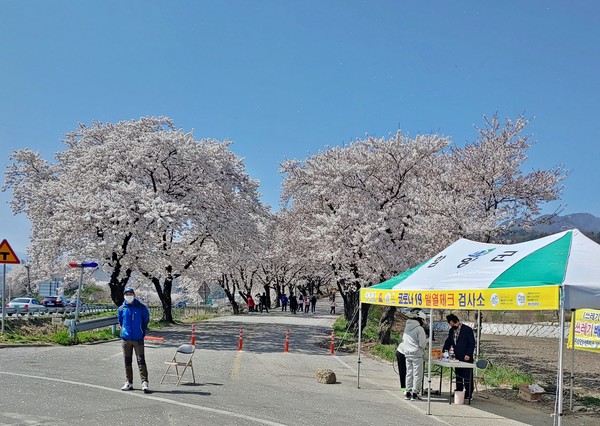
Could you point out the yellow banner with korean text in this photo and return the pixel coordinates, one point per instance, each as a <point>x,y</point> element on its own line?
<point>587,330</point>
<point>501,299</point>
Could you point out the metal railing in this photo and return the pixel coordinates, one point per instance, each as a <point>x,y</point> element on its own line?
<point>53,311</point>
<point>93,324</point>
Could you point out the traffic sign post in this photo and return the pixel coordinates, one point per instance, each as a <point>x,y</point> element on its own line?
<point>80,265</point>
<point>7,255</point>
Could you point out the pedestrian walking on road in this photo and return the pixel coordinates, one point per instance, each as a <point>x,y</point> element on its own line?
<point>284,302</point>
<point>263,303</point>
<point>306,303</point>
<point>313,303</point>
<point>293,303</point>
<point>133,317</point>
<point>251,303</point>
<point>331,304</point>
<point>301,302</point>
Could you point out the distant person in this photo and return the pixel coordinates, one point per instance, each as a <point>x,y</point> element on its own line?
<point>331,304</point>
<point>401,360</point>
<point>300,302</point>
<point>264,304</point>
<point>313,303</point>
<point>462,339</point>
<point>251,303</point>
<point>293,303</point>
<point>258,301</point>
<point>306,304</point>
<point>413,346</point>
<point>133,317</point>
<point>284,302</point>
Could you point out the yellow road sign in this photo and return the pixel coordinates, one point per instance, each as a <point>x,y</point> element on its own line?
<point>7,255</point>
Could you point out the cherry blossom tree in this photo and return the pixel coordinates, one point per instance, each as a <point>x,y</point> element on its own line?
<point>139,197</point>
<point>483,188</point>
<point>17,281</point>
<point>380,206</point>
<point>355,208</point>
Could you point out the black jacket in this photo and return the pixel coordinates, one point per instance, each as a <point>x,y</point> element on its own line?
<point>465,345</point>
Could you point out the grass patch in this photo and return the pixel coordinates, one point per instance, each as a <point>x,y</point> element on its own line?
<point>499,375</point>
<point>589,401</point>
<point>346,340</point>
<point>197,318</point>
<point>387,352</point>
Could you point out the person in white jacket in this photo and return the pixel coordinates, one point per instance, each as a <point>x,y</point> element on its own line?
<point>413,346</point>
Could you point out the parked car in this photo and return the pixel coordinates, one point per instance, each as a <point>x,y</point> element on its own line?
<point>73,303</point>
<point>54,302</point>
<point>25,303</point>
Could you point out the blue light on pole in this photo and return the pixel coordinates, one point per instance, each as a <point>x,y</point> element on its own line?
<point>83,264</point>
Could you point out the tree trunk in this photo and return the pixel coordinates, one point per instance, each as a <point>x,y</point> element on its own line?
<point>351,304</point>
<point>164,294</point>
<point>116,284</point>
<point>268,293</point>
<point>385,325</point>
<point>232,301</point>
<point>277,288</point>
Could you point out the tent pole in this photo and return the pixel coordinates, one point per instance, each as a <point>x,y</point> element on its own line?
<point>359,340</point>
<point>559,388</point>
<point>478,319</point>
<point>572,379</point>
<point>429,361</point>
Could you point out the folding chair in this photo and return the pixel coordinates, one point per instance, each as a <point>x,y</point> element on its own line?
<point>185,352</point>
<point>479,378</point>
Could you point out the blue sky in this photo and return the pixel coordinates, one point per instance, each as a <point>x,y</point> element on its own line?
<point>284,79</point>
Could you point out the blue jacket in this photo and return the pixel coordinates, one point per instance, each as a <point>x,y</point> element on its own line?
<point>134,319</point>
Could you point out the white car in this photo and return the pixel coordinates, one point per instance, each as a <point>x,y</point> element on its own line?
<point>24,305</point>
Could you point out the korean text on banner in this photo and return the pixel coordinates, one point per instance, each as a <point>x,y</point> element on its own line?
<point>521,298</point>
<point>587,330</point>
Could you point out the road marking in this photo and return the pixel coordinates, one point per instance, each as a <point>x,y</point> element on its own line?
<point>155,398</point>
<point>235,368</point>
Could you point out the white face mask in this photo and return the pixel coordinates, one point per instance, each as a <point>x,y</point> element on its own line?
<point>129,298</point>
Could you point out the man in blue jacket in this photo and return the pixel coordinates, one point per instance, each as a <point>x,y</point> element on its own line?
<point>134,318</point>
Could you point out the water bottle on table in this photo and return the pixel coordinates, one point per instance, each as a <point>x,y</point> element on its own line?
<point>451,353</point>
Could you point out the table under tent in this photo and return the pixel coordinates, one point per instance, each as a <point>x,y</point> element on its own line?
<point>558,272</point>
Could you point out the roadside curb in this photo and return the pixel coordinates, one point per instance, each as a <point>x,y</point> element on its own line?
<point>24,345</point>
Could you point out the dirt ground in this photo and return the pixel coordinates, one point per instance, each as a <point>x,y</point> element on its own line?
<point>539,356</point>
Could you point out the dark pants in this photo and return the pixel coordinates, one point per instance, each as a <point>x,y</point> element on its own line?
<point>128,347</point>
<point>464,375</point>
<point>401,368</point>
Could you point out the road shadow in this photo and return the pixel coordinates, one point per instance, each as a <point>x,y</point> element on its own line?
<point>257,337</point>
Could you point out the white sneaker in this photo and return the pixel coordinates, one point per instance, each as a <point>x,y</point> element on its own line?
<point>127,386</point>
<point>145,387</point>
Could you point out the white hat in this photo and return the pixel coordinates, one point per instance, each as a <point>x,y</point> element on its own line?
<point>419,314</point>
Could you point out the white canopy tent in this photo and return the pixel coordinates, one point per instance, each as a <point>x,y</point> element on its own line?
<point>560,271</point>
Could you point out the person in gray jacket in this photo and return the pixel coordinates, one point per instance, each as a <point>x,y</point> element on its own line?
<point>413,346</point>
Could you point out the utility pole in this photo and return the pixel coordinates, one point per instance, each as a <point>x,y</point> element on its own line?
<point>27,265</point>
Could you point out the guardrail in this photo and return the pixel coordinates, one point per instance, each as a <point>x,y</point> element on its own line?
<point>84,310</point>
<point>93,324</point>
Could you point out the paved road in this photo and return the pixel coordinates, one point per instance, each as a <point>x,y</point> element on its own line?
<point>259,385</point>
